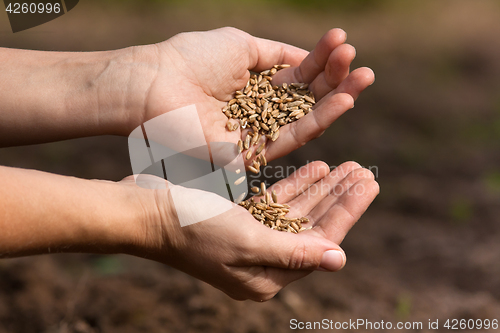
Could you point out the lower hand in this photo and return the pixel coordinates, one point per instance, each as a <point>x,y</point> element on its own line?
<point>236,254</point>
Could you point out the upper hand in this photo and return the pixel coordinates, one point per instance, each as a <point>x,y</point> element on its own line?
<point>206,68</point>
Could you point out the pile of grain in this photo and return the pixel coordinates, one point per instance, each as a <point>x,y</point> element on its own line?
<point>271,213</point>
<point>265,108</point>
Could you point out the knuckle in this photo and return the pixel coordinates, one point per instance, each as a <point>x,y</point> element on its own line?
<point>298,260</point>
<point>321,164</point>
<point>231,29</point>
<point>261,290</point>
<point>365,173</point>
<point>352,165</point>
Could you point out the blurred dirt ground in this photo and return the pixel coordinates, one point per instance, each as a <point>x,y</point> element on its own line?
<point>429,246</point>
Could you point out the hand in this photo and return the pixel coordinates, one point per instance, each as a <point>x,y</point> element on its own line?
<point>238,255</point>
<point>206,68</point>
<point>51,96</point>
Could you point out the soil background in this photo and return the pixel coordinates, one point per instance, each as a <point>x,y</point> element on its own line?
<point>428,248</point>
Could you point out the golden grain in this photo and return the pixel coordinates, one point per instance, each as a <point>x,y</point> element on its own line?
<point>251,168</point>
<point>239,180</point>
<point>261,147</point>
<point>275,196</point>
<point>275,135</point>
<point>273,215</point>
<point>249,155</point>
<point>255,138</point>
<point>241,197</point>
<point>256,164</point>
<point>263,160</point>
<point>247,141</point>
<point>240,146</point>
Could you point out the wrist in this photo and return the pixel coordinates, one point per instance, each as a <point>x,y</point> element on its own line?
<point>122,219</point>
<point>108,219</point>
<point>51,96</point>
<point>118,87</point>
<point>153,218</point>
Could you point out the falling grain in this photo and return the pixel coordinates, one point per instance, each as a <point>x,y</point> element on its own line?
<point>240,146</point>
<point>263,160</point>
<point>241,197</point>
<point>261,147</point>
<point>263,188</point>
<point>249,155</point>
<point>247,141</point>
<point>239,181</point>
<point>251,168</point>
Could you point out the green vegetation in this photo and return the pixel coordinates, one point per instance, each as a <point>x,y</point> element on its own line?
<point>107,265</point>
<point>403,306</point>
<point>492,181</point>
<point>461,210</point>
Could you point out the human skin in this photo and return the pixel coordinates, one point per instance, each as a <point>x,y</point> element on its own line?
<point>50,96</point>
<point>41,213</point>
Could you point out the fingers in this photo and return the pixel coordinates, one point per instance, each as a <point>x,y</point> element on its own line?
<point>336,70</point>
<point>297,134</point>
<point>288,188</point>
<point>326,111</point>
<point>316,60</point>
<point>337,189</point>
<point>326,68</point>
<point>356,82</point>
<point>265,53</point>
<point>304,251</point>
<point>347,210</point>
<point>315,195</point>
<point>266,283</point>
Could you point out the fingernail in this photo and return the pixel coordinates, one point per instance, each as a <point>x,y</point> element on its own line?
<point>332,261</point>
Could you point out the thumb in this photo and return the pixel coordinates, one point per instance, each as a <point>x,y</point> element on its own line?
<point>304,251</point>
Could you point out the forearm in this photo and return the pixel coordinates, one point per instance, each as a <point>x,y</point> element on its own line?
<point>45,213</point>
<point>49,96</point>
